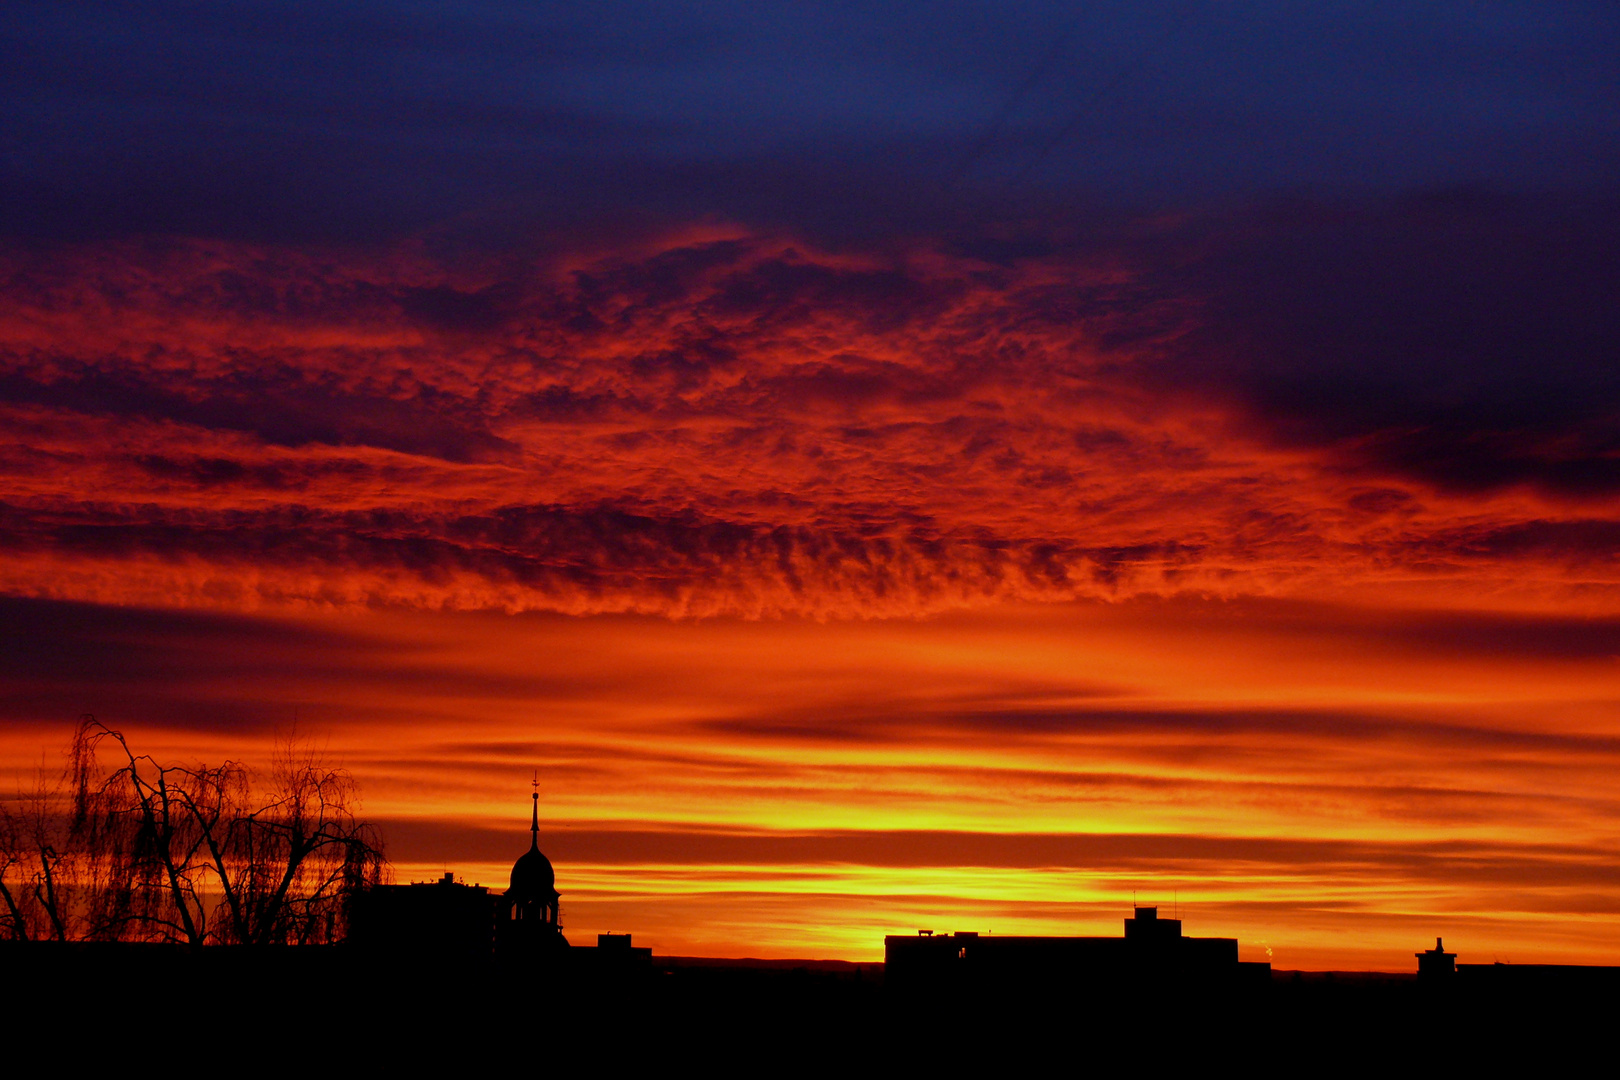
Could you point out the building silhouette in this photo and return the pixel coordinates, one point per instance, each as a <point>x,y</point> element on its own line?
<point>450,919</point>
<point>1153,951</point>
<point>522,929</point>
<point>528,916</point>
<point>1440,970</point>
<point>443,919</point>
<point>1436,965</point>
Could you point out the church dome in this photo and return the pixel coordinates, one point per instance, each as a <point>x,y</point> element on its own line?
<point>532,874</point>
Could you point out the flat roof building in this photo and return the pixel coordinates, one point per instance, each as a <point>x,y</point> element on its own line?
<point>1438,968</point>
<point>442,918</point>
<point>1153,951</point>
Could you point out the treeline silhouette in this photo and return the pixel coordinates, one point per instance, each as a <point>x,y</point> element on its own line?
<point>120,847</point>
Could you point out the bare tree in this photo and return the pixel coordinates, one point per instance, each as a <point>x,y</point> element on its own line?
<point>199,854</point>
<point>63,873</point>
<point>287,868</point>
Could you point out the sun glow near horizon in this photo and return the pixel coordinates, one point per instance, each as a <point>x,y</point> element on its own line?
<point>792,788</point>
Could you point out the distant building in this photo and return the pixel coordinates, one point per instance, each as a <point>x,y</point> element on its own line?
<point>614,953</point>
<point>1436,965</point>
<point>1152,951</point>
<point>446,918</point>
<point>1585,979</point>
<point>1438,968</point>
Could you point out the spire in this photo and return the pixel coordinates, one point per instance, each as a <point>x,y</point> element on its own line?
<point>534,821</point>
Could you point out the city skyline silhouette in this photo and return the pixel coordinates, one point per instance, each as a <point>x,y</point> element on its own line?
<point>955,466</point>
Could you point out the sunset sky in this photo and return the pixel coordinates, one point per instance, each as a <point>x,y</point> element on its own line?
<point>916,466</point>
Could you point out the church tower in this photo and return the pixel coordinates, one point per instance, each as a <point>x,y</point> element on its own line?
<point>527,916</point>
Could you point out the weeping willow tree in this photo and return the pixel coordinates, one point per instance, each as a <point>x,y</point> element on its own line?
<point>122,847</point>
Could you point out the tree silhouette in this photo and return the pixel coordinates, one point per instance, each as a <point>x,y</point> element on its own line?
<point>198,854</point>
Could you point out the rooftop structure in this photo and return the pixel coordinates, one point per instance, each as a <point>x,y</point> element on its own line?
<point>1436,965</point>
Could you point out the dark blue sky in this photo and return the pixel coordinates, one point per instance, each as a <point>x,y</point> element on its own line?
<point>310,121</point>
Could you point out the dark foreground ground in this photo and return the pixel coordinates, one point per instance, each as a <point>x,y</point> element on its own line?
<point>315,1011</point>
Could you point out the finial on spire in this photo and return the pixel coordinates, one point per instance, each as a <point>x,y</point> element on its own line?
<point>534,820</point>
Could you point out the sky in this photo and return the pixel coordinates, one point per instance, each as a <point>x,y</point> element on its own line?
<point>941,466</point>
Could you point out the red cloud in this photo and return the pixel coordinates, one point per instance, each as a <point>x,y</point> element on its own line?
<point>714,423</point>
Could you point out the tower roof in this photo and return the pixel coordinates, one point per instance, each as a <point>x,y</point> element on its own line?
<point>532,875</point>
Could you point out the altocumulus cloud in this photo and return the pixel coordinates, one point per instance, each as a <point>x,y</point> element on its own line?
<point>722,421</point>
